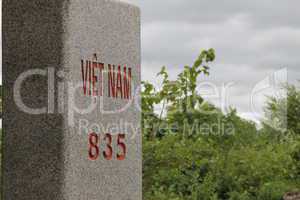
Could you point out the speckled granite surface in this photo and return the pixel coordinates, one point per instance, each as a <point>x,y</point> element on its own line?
<point>46,155</point>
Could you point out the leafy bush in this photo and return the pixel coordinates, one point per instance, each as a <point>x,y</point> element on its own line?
<point>187,157</point>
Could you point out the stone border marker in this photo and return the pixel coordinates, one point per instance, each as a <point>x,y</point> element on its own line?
<point>71,71</point>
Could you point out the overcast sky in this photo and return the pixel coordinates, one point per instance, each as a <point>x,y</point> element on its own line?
<point>252,38</point>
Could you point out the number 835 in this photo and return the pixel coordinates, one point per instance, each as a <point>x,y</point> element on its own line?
<point>94,146</point>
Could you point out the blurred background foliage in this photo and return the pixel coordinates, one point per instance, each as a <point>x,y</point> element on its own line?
<point>193,151</point>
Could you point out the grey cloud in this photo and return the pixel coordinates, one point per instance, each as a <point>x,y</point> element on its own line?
<point>264,13</point>
<point>252,39</point>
